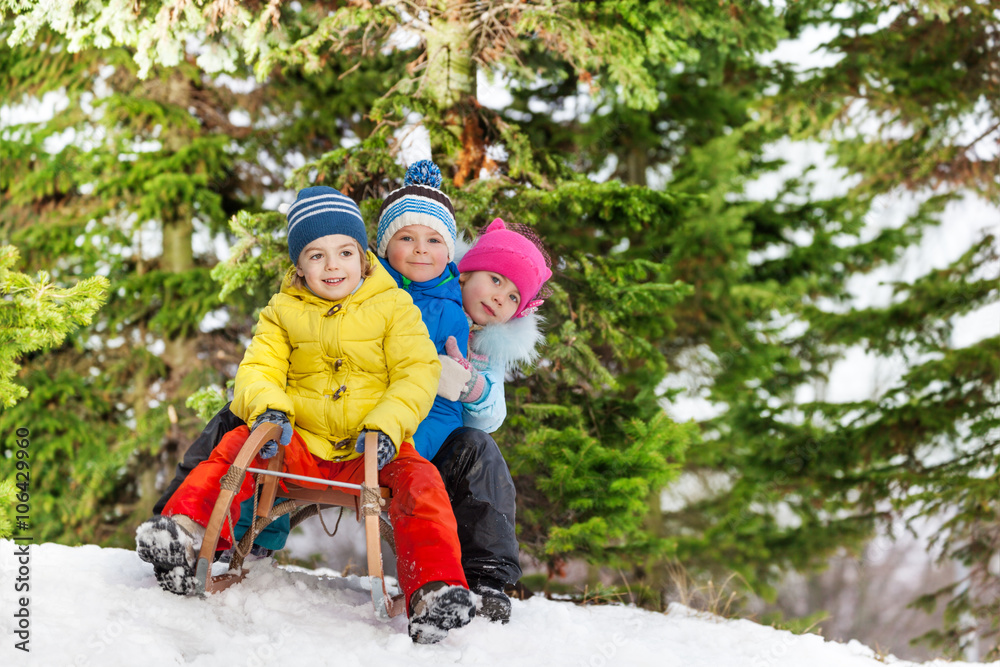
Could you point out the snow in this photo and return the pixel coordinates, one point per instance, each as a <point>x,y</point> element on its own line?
<point>94,606</point>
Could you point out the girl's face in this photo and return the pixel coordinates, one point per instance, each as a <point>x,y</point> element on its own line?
<point>417,252</point>
<point>488,297</point>
<point>331,266</point>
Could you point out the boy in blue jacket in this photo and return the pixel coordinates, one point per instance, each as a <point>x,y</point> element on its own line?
<point>416,241</point>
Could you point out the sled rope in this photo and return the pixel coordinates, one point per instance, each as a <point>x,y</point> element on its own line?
<point>371,500</point>
<point>229,520</point>
<point>335,527</point>
<point>385,530</point>
<point>240,550</point>
<point>233,479</point>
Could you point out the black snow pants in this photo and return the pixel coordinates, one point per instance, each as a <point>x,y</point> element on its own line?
<point>475,476</point>
<point>482,496</point>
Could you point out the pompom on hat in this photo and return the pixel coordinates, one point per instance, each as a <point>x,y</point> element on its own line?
<point>516,255</point>
<point>320,211</point>
<point>419,202</point>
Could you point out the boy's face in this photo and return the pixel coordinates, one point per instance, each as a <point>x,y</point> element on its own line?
<point>417,252</point>
<point>331,266</point>
<point>488,297</point>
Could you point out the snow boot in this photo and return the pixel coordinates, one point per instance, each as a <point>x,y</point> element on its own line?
<point>494,603</point>
<point>171,544</point>
<point>436,608</point>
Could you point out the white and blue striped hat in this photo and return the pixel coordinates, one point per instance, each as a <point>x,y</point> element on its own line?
<point>419,202</point>
<point>320,211</point>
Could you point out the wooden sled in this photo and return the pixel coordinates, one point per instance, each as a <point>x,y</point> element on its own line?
<point>367,499</point>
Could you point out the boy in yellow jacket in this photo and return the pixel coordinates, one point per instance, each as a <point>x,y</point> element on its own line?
<point>338,352</point>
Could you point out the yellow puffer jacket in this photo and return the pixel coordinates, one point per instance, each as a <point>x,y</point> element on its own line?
<point>336,367</point>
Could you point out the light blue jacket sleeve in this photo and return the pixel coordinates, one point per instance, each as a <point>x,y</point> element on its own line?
<point>488,414</point>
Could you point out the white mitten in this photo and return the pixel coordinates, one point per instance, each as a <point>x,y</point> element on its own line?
<point>454,377</point>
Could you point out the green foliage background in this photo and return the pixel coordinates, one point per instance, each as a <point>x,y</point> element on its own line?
<point>667,269</point>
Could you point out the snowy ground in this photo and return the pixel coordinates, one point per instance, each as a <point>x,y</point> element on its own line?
<point>93,606</point>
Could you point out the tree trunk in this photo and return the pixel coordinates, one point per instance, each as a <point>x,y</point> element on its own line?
<point>450,85</point>
<point>178,256</point>
<point>636,163</point>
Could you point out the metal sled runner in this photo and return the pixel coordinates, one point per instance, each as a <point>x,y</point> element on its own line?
<point>367,499</point>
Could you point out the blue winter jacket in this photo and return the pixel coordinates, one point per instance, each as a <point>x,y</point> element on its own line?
<point>440,303</point>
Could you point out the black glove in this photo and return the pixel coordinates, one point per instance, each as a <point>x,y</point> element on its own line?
<point>278,417</point>
<point>386,450</point>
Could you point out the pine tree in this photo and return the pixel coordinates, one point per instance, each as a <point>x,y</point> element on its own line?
<point>113,186</point>
<point>36,315</point>
<point>925,78</point>
<point>788,482</point>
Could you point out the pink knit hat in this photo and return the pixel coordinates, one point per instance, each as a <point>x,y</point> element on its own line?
<point>514,256</point>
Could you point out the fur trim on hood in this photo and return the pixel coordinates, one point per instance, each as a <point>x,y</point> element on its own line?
<point>509,345</point>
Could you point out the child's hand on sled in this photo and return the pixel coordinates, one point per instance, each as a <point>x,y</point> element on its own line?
<point>460,381</point>
<point>386,450</point>
<point>278,417</point>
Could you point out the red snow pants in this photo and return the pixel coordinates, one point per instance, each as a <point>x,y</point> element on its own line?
<point>427,547</point>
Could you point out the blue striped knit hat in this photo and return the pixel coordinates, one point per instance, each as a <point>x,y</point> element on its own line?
<point>419,202</point>
<point>320,211</point>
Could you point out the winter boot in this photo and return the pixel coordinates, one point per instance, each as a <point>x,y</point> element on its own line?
<point>436,608</point>
<point>171,544</point>
<point>494,603</point>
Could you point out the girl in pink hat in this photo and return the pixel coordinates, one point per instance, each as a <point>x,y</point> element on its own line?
<point>503,283</point>
<point>503,279</point>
